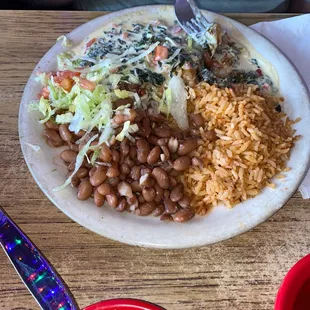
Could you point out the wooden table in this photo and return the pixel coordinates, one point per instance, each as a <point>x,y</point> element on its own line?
<point>242,273</point>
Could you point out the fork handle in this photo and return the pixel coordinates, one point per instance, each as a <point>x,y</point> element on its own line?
<point>35,271</point>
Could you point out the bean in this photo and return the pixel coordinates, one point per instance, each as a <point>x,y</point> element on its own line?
<point>124,189</point>
<point>81,173</point>
<point>132,202</point>
<point>122,205</point>
<point>75,182</point>
<point>140,115</point>
<point>120,102</point>
<point>166,155</point>
<point>129,161</point>
<point>145,170</point>
<point>136,186</point>
<point>92,171</point>
<point>65,133</point>
<point>170,206</point>
<point>162,132</point>
<point>194,132</point>
<point>114,181</point>
<point>74,147</point>
<point>173,181</point>
<point>159,193</point>
<point>166,217</point>
<point>133,152</point>
<point>159,210</point>
<point>146,126</point>
<point>122,177</point>
<point>149,194</point>
<point>80,133</point>
<point>85,190</point>
<point>166,193</point>
<point>113,171</point>
<point>211,135</point>
<point>112,199</point>
<point>177,192</point>
<point>141,199</point>
<point>98,199</point>
<point>187,146</point>
<point>197,162</point>
<point>146,181</point>
<point>185,201</point>
<point>115,156</point>
<point>162,141</point>
<point>143,149</point>
<point>124,147</point>
<point>156,117</point>
<point>153,156</point>
<point>125,169</point>
<point>173,145</point>
<point>105,189</point>
<point>182,163</point>
<point>54,144</point>
<point>174,173</point>
<point>105,154</point>
<point>51,125</point>
<point>153,139</point>
<point>98,177</point>
<point>71,166</point>
<point>161,177</point>
<point>183,215</point>
<point>146,208</point>
<point>135,172</point>
<point>198,119</point>
<point>68,156</point>
<point>112,140</point>
<point>176,133</point>
<point>52,135</point>
<point>122,118</point>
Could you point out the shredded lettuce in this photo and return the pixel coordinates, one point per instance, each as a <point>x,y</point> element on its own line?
<point>97,76</point>
<point>126,131</point>
<point>64,118</point>
<point>78,164</point>
<point>122,93</point>
<point>114,79</point>
<point>43,107</point>
<point>42,78</point>
<point>65,42</point>
<point>64,61</point>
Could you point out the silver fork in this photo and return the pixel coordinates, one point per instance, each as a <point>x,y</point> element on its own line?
<point>191,20</point>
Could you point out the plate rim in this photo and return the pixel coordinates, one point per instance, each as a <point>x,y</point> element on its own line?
<point>135,242</point>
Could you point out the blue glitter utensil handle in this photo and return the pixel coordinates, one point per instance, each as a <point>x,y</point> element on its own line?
<point>35,271</point>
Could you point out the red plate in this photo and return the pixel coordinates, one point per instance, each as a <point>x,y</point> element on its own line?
<point>123,304</point>
<point>294,292</point>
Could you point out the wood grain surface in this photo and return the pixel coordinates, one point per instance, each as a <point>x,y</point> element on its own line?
<point>242,273</point>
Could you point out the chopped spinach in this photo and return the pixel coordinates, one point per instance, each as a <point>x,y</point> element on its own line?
<point>148,76</point>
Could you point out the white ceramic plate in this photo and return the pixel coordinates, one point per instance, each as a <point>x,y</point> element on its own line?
<point>221,223</point>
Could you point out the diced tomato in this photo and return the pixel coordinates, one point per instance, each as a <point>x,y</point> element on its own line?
<point>259,72</point>
<point>67,74</point>
<point>90,43</point>
<point>161,52</point>
<point>66,84</point>
<point>86,84</point>
<point>113,70</point>
<point>45,93</point>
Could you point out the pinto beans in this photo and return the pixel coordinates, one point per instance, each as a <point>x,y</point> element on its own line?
<point>182,163</point>
<point>143,149</point>
<point>183,215</point>
<point>153,156</point>
<point>161,177</point>
<point>65,133</point>
<point>68,156</point>
<point>85,190</point>
<point>187,146</point>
